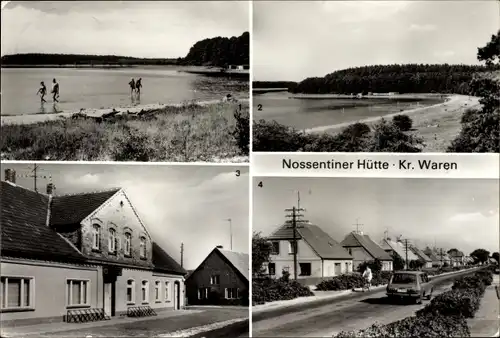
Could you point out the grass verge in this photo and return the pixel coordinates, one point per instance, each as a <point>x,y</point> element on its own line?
<point>187,133</point>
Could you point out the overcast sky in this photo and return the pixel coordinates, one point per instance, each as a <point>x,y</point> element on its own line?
<point>177,203</point>
<point>293,40</point>
<point>457,213</point>
<point>163,29</point>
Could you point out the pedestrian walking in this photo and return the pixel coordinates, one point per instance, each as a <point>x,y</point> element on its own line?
<point>42,91</point>
<point>55,90</point>
<point>138,85</point>
<point>132,86</point>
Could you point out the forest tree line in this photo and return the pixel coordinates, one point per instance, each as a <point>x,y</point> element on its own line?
<point>407,78</point>
<point>218,51</point>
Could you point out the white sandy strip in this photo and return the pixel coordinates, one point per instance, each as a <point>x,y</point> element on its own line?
<point>201,329</point>
<point>458,100</point>
<point>35,118</point>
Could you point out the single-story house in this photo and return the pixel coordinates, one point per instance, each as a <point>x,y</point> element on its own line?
<point>363,249</point>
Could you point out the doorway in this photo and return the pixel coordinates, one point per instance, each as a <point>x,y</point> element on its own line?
<point>177,295</point>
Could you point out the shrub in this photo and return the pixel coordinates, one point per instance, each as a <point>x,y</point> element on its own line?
<point>241,131</point>
<point>269,290</point>
<point>375,265</point>
<point>351,281</point>
<point>459,302</point>
<point>403,122</point>
<point>420,326</point>
<point>389,138</point>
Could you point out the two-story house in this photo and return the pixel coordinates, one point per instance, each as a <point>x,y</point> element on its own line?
<point>81,251</point>
<point>318,255</point>
<point>221,279</point>
<point>364,249</point>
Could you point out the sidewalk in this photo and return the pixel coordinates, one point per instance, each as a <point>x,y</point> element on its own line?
<point>48,328</point>
<point>486,322</point>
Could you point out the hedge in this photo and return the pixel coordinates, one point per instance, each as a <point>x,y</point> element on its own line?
<point>270,289</point>
<point>354,280</point>
<point>445,316</point>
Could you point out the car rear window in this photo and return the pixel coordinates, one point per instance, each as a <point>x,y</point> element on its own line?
<point>404,278</point>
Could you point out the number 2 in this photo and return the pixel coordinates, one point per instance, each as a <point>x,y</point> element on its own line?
<point>259,107</point>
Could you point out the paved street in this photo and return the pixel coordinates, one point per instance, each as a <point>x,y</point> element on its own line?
<point>192,323</point>
<point>352,312</point>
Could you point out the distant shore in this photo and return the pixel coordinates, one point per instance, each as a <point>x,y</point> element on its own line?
<point>91,112</point>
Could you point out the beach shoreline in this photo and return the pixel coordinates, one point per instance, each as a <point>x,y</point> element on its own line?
<point>452,101</point>
<point>93,112</point>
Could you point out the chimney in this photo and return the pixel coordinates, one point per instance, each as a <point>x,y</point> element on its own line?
<point>50,188</point>
<point>219,247</point>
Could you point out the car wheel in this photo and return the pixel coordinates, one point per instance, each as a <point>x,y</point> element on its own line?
<point>429,296</point>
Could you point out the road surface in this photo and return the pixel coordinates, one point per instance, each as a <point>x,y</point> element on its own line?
<point>352,312</point>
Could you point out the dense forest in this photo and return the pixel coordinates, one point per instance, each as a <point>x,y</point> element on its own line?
<point>217,51</point>
<point>33,59</point>
<point>275,84</point>
<point>220,51</point>
<point>408,78</point>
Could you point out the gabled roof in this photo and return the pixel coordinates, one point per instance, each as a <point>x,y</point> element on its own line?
<point>399,248</point>
<point>420,254</point>
<point>163,262</point>
<point>358,240</point>
<point>431,254</point>
<point>25,233</point>
<point>237,260</point>
<point>321,243</point>
<point>72,209</point>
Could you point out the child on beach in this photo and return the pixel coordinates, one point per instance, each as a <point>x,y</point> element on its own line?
<point>42,91</point>
<point>55,90</point>
<point>132,86</point>
<point>138,86</point>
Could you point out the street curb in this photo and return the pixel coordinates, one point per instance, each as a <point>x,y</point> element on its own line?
<point>312,299</point>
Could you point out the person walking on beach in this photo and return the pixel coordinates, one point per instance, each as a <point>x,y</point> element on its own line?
<point>138,85</point>
<point>132,86</point>
<point>55,90</point>
<point>42,91</point>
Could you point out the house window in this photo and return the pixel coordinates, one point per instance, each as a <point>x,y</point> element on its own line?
<point>157,291</point>
<point>167,291</point>
<point>275,249</point>
<point>17,293</point>
<point>77,292</point>
<point>143,247</point>
<point>112,240</point>
<point>130,291</point>
<point>272,269</point>
<point>292,247</point>
<point>215,280</point>
<point>203,293</point>
<point>347,267</point>
<point>349,250</point>
<point>145,291</point>
<point>305,269</point>
<point>232,293</point>
<point>127,244</point>
<point>96,237</point>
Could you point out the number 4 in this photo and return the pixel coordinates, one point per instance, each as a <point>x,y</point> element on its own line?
<point>260,185</point>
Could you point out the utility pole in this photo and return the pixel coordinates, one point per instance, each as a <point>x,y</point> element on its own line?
<point>182,255</point>
<point>230,233</point>
<point>295,215</point>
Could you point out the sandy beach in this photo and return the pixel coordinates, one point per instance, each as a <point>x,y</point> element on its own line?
<point>35,118</point>
<point>438,124</point>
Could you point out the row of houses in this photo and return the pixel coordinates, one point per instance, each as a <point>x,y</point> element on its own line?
<point>319,255</point>
<point>91,252</point>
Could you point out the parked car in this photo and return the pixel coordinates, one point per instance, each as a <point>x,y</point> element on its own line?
<point>414,285</point>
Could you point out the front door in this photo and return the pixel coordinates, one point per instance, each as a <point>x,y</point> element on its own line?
<point>108,298</point>
<point>176,296</point>
<point>338,269</point>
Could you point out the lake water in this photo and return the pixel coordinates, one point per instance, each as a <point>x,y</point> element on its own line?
<point>310,113</point>
<point>106,88</point>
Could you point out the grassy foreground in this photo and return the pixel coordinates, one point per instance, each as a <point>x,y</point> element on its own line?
<point>187,133</point>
